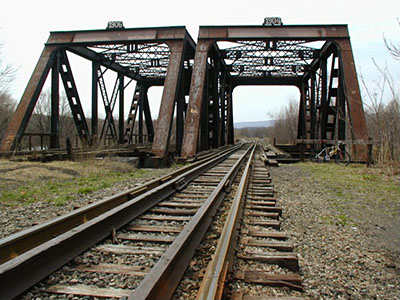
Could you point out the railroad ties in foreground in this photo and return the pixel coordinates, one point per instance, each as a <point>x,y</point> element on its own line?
<point>265,258</point>
<point>253,259</point>
<point>214,236</point>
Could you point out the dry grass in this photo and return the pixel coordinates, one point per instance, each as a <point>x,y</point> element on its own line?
<point>60,181</point>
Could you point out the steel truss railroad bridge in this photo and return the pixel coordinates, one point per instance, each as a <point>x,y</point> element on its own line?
<point>317,59</point>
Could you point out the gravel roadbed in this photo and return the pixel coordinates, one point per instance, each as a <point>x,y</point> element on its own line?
<point>337,261</point>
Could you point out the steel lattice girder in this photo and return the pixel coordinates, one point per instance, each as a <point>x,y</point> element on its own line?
<point>277,55</point>
<point>142,54</point>
<point>269,58</point>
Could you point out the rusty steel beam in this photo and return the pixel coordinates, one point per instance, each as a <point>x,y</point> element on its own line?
<point>301,124</point>
<point>286,32</point>
<point>121,101</point>
<point>88,37</point>
<point>191,134</point>
<point>95,112</point>
<point>55,104</point>
<point>352,91</point>
<point>170,94</point>
<point>292,81</point>
<point>352,94</point>
<point>19,121</point>
<point>230,129</point>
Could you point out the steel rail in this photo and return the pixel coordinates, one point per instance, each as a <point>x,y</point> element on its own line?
<point>212,285</point>
<point>161,282</point>
<point>22,272</point>
<point>20,242</point>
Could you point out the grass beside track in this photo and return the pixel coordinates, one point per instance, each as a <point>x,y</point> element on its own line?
<point>59,182</point>
<point>357,192</point>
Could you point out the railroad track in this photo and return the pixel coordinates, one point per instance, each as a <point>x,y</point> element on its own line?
<point>163,219</point>
<point>139,245</point>
<point>251,259</point>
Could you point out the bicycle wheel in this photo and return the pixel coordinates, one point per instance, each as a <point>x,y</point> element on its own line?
<point>343,157</point>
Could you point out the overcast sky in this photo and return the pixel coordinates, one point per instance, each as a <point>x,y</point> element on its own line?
<point>25,26</point>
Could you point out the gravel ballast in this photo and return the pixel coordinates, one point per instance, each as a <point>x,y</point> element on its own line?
<point>337,261</point>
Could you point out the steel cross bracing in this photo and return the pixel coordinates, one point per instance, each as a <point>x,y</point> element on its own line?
<point>149,60</point>
<point>269,58</point>
<point>108,130</point>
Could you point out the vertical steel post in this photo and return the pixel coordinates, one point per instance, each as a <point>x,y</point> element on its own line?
<point>140,119</point>
<point>204,115</point>
<point>147,116</point>
<point>121,120</point>
<point>231,137</point>
<point>170,93</point>
<point>180,111</point>
<point>324,97</point>
<point>192,122</point>
<point>215,98</point>
<point>95,110</point>
<point>312,106</point>
<point>55,104</point>
<point>301,127</point>
<point>341,108</point>
<point>222,97</point>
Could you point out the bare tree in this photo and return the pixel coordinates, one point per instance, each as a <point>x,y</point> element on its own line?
<point>7,73</point>
<point>7,107</point>
<point>383,116</point>
<point>285,126</point>
<point>393,49</point>
<point>7,104</point>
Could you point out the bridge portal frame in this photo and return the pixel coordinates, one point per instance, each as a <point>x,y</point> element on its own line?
<point>54,58</point>
<point>316,107</point>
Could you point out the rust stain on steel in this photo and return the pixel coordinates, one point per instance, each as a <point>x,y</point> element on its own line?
<point>22,109</point>
<point>276,32</point>
<point>171,85</point>
<point>192,123</point>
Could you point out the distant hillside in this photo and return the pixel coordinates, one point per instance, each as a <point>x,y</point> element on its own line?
<point>240,125</point>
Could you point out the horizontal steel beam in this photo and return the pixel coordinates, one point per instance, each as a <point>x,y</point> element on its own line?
<point>287,32</point>
<point>296,81</point>
<point>120,36</point>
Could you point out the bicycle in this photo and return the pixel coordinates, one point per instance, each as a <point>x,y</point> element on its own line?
<point>332,152</point>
